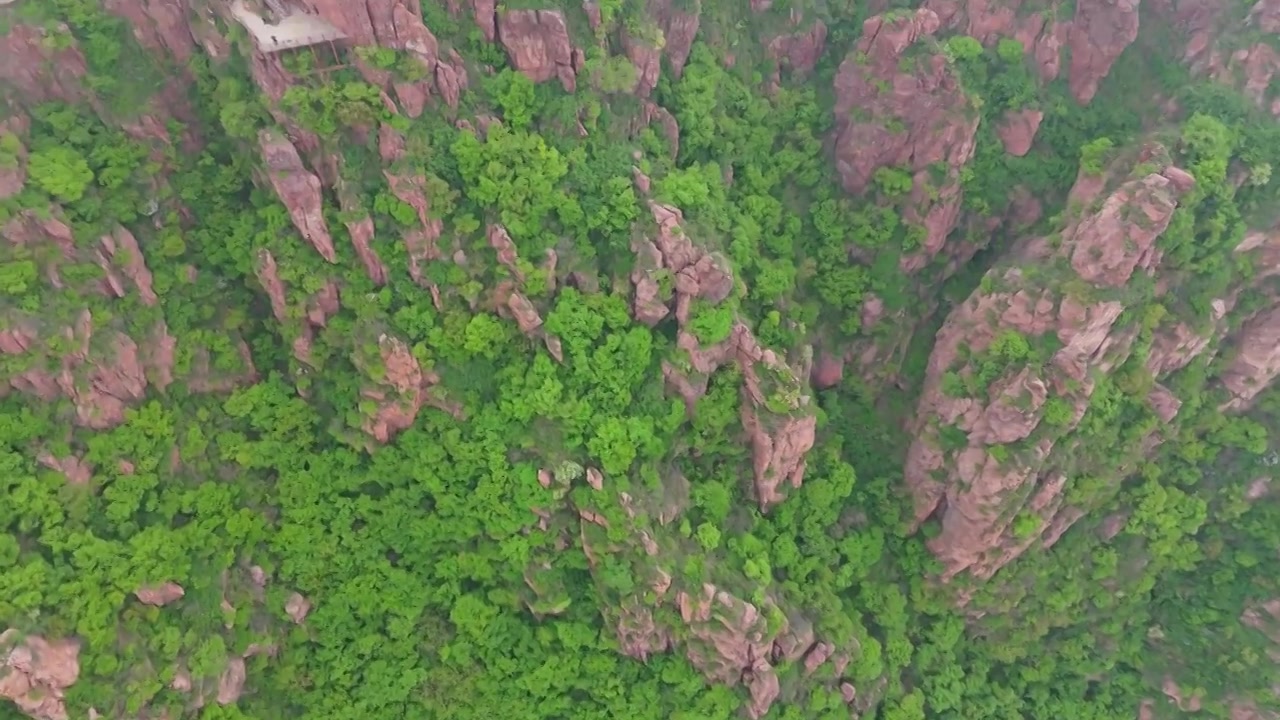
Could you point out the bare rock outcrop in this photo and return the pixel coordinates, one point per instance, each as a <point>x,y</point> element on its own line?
<point>420,242</point>
<point>40,65</point>
<point>729,641</point>
<point>402,389</point>
<point>800,51</point>
<point>72,467</point>
<point>231,682</point>
<point>1111,244</point>
<point>297,607</point>
<point>122,248</point>
<point>158,25</point>
<point>159,595</point>
<point>669,33</point>
<point>397,24</point>
<point>671,258</point>
<point>537,41</point>
<point>1255,362</point>
<point>1101,30</point>
<point>909,115</point>
<point>991,482</point>
<point>1040,34</point>
<point>36,673</point>
<point>299,191</point>
<point>361,230</point>
<point>1018,130</point>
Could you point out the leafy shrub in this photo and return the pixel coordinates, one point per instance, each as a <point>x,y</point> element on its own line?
<point>61,172</point>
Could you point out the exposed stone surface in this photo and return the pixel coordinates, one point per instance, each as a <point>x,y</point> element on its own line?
<point>297,608</point>
<point>158,25</point>
<point>1101,30</point>
<point>159,595</point>
<point>37,672</point>
<point>800,51</point>
<point>1110,244</point>
<point>420,242</point>
<point>911,115</point>
<point>40,68</point>
<point>525,313</point>
<point>402,390</point>
<point>537,41</point>
<point>1001,470</point>
<point>299,190</point>
<point>729,642</point>
<point>1041,36</point>
<point>231,682</point>
<point>1018,130</point>
<point>122,247</point>
<point>1255,362</point>
<point>73,468</point>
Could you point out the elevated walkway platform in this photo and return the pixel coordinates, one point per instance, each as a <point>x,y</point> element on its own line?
<point>291,27</point>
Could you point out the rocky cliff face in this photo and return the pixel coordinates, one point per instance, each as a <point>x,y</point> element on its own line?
<point>1011,377</point>
<point>1042,34</point>
<point>1096,35</point>
<point>102,370</point>
<point>899,104</point>
<point>1100,31</point>
<point>989,417</point>
<point>537,42</point>
<point>37,673</point>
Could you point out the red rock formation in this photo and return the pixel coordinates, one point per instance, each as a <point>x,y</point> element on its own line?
<point>1109,245</point>
<point>695,273</point>
<point>397,24</point>
<point>800,51</point>
<point>679,28</point>
<point>1001,469</point>
<point>39,69</point>
<point>525,313</point>
<point>647,59</point>
<point>537,41</point>
<point>297,608</point>
<point>421,241</point>
<point>159,595</point>
<point>121,246</point>
<point>159,25</point>
<point>940,129</point>
<point>988,21</point>
<point>269,276</point>
<point>73,468</point>
<point>670,34</point>
<point>361,231</point>
<point>914,118</point>
<point>231,682</point>
<point>1255,362</point>
<point>728,640</point>
<point>1101,30</point>
<point>653,113</point>
<point>778,451</point>
<point>1018,130</point>
<point>299,191</point>
<point>100,384</point>
<point>402,390</point>
<point>486,16</point>
<point>100,370</point>
<point>36,673</point>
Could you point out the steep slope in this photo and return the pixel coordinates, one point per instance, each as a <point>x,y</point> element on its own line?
<point>647,360</point>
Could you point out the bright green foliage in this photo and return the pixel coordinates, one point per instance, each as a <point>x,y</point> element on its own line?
<point>61,172</point>
<point>468,567</point>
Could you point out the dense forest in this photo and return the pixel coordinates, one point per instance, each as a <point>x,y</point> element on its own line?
<point>670,359</point>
